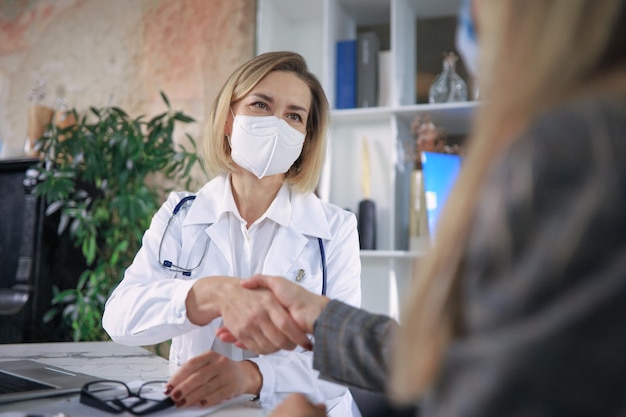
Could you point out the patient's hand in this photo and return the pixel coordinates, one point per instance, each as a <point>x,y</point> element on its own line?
<point>255,317</point>
<point>303,306</point>
<point>297,405</point>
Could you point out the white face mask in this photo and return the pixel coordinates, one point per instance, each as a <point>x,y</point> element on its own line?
<point>264,145</point>
<point>466,43</point>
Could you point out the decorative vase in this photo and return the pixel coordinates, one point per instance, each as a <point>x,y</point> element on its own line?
<point>38,119</point>
<point>448,86</point>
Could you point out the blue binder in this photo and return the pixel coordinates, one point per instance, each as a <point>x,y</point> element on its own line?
<point>345,76</point>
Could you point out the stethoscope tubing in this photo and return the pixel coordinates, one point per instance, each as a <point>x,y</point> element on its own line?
<point>187,271</point>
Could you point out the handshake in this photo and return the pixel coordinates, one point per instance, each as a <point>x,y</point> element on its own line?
<point>281,316</point>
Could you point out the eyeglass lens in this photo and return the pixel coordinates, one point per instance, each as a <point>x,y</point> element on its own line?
<point>118,398</point>
<point>108,390</point>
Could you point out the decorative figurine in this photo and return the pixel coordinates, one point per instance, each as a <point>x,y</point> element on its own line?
<point>428,137</point>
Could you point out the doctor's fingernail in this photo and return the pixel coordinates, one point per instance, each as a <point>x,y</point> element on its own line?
<point>203,403</point>
<point>168,389</point>
<point>308,346</point>
<point>176,395</point>
<point>181,403</point>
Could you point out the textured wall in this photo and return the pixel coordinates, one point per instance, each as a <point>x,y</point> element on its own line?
<point>126,51</point>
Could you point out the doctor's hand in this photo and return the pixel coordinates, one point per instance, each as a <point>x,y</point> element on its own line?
<point>254,317</point>
<point>211,378</point>
<point>297,405</point>
<point>303,306</point>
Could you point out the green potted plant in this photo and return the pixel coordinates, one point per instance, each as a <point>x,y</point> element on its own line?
<point>103,176</point>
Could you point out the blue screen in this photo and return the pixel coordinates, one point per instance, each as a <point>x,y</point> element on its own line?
<point>440,170</point>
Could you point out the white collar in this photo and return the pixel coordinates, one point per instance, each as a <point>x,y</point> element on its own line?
<point>303,212</point>
<point>279,210</point>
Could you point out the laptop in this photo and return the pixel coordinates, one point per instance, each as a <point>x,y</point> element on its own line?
<point>440,171</point>
<point>28,379</point>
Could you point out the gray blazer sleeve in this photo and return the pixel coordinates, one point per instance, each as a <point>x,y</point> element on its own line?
<point>352,346</point>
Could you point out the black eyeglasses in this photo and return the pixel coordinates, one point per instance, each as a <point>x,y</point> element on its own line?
<point>116,397</point>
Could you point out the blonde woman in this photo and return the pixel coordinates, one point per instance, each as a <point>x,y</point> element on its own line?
<point>518,309</point>
<point>265,143</point>
<point>514,311</point>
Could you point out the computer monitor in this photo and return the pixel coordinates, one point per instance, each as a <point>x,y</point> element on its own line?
<point>440,171</point>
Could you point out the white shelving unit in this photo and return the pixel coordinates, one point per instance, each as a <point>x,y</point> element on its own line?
<point>312,28</point>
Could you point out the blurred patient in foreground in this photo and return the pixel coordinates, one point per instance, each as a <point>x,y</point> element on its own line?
<point>518,309</point>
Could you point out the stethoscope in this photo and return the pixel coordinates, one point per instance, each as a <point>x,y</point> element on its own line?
<point>187,271</point>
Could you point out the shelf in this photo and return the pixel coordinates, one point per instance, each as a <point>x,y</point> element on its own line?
<point>313,28</point>
<point>457,116</point>
<point>391,254</point>
<point>454,117</point>
<point>366,114</point>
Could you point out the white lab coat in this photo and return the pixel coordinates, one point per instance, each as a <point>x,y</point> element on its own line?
<point>148,306</point>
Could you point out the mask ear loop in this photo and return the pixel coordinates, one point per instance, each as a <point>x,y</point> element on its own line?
<point>231,129</point>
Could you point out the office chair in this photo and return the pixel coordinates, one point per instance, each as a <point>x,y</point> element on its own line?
<point>16,290</point>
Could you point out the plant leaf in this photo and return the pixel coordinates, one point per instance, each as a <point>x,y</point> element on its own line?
<point>119,111</point>
<point>165,99</point>
<point>183,117</point>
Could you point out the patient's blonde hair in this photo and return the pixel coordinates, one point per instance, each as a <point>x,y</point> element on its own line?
<point>534,55</point>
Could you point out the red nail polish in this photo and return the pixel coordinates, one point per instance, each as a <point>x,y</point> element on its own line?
<point>168,389</point>
<point>176,395</point>
<point>180,403</point>
<point>203,403</point>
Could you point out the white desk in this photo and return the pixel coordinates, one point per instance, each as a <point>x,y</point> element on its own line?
<point>106,360</point>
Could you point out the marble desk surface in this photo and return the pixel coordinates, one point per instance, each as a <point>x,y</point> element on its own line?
<point>107,360</point>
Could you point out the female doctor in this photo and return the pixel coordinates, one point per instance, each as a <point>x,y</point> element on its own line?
<point>265,143</point>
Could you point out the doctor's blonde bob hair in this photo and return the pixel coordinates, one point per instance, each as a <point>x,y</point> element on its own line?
<point>305,172</point>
